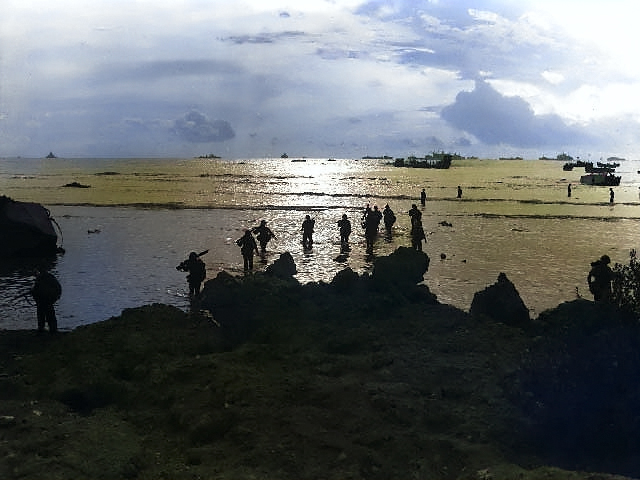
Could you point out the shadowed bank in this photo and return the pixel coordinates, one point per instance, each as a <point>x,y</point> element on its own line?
<point>367,376</point>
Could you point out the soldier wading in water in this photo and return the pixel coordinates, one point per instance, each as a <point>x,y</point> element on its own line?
<point>197,271</point>
<point>599,279</point>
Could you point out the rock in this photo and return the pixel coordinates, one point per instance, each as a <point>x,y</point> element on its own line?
<point>405,266</point>
<point>27,230</point>
<point>76,185</point>
<point>501,302</point>
<point>345,280</point>
<point>283,268</point>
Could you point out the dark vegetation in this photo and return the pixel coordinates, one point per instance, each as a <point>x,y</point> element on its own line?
<point>626,285</point>
<point>364,377</point>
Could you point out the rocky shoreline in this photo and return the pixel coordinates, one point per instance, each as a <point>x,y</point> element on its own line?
<point>365,377</point>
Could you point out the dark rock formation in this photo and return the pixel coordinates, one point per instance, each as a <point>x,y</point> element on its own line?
<point>76,185</point>
<point>339,380</point>
<point>283,268</point>
<point>576,388</point>
<point>239,303</point>
<point>26,229</point>
<point>501,302</point>
<point>405,266</point>
<point>345,280</point>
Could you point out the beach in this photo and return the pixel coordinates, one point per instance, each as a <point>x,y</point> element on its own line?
<point>139,218</point>
<point>319,376</point>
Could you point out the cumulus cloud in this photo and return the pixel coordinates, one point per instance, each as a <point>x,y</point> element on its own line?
<point>495,119</point>
<point>197,128</point>
<point>322,77</point>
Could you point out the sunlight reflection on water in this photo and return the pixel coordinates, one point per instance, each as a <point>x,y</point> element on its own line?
<point>514,217</point>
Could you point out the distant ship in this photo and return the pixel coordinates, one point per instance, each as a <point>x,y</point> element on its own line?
<point>51,155</point>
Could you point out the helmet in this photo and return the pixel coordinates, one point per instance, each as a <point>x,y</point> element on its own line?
<point>605,259</point>
<point>193,255</point>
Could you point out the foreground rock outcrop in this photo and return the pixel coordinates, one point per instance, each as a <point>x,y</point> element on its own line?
<point>26,229</point>
<point>501,302</point>
<point>357,378</point>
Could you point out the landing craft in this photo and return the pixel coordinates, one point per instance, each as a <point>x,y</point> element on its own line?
<point>602,178</point>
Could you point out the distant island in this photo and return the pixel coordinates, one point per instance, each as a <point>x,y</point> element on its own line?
<point>208,155</point>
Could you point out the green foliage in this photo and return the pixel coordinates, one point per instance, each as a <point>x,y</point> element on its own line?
<point>626,285</point>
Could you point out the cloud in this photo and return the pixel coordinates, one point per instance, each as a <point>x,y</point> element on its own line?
<point>197,128</point>
<point>323,77</point>
<point>264,37</point>
<point>495,119</point>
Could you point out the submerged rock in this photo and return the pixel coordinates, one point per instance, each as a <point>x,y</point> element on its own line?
<point>501,302</point>
<point>76,185</point>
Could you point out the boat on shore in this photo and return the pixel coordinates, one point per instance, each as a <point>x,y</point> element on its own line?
<point>26,229</point>
<point>607,179</point>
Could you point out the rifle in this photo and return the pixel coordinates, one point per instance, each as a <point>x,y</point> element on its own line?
<point>183,265</point>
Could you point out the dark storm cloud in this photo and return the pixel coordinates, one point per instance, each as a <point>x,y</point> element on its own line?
<point>196,127</point>
<point>155,70</point>
<point>495,119</point>
<point>264,37</point>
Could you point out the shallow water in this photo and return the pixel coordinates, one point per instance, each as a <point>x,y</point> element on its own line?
<point>146,215</point>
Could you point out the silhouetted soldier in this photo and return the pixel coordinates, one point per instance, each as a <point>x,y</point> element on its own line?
<point>389,218</point>
<point>611,195</point>
<point>569,190</point>
<point>345,230</point>
<point>423,197</point>
<point>599,279</point>
<point>371,225</point>
<point>197,272</point>
<point>307,232</point>
<point>366,213</point>
<point>247,246</point>
<point>263,234</point>
<point>415,214</point>
<point>459,191</point>
<point>417,235</point>
<point>46,291</point>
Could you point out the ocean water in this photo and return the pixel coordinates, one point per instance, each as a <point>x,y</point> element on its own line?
<point>139,218</point>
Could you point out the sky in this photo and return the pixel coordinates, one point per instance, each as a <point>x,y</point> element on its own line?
<point>319,78</point>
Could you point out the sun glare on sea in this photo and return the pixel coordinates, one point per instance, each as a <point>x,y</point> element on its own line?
<point>320,175</point>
